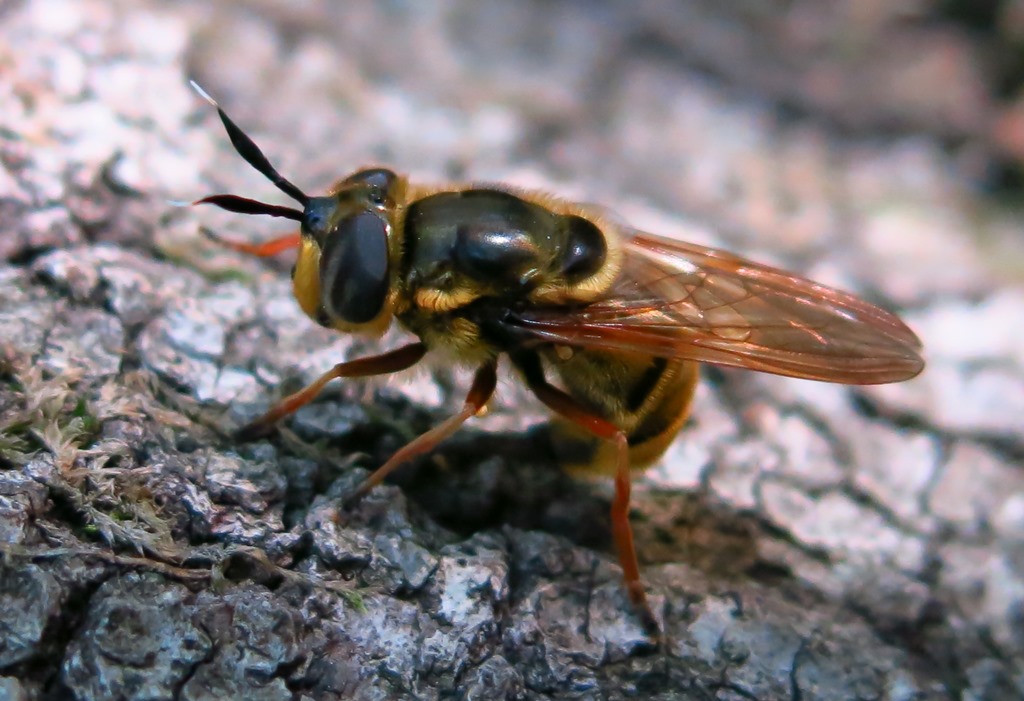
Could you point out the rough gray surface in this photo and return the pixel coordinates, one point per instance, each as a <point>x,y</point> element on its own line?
<point>800,541</point>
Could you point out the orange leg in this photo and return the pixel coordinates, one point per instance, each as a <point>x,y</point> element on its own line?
<point>384,364</point>
<point>261,250</point>
<point>565,405</point>
<point>480,392</point>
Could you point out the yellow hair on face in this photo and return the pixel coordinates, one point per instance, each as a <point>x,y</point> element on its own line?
<point>306,280</point>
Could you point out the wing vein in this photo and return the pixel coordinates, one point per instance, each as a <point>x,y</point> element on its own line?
<point>680,300</point>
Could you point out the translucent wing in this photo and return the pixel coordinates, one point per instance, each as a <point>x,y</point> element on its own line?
<point>680,300</point>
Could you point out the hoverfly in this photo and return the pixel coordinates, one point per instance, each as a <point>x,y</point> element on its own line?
<point>621,317</point>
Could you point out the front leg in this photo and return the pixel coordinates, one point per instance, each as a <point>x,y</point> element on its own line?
<point>384,364</point>
<point>260,250</point>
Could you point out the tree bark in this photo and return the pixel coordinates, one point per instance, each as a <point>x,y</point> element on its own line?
<point>798,541</point>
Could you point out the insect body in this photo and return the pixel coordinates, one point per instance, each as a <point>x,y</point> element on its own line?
<point>605,324</point>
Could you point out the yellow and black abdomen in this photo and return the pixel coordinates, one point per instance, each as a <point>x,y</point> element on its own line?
<point>647,397</point>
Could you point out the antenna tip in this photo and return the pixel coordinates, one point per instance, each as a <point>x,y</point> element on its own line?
<point>202,93</point>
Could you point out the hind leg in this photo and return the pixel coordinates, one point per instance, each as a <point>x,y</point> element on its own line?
<point>615,438</point>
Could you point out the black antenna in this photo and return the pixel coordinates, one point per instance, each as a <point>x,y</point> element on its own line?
<point>248,150</point>
<point>243,205</point>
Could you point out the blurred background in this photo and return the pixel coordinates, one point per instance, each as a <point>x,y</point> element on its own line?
<point>875,146</point>
<point>793,122</point>
<point>890,134</point>
<point>795,126</point>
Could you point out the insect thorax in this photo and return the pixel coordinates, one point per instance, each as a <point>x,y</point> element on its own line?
<point>466,245</point>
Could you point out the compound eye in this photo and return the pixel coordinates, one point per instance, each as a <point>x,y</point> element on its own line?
<point>354,269</point>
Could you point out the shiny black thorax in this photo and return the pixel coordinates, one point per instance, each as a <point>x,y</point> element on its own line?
<point>494,244</point>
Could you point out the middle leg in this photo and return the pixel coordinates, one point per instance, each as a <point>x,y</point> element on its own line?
<point>480,392</point>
